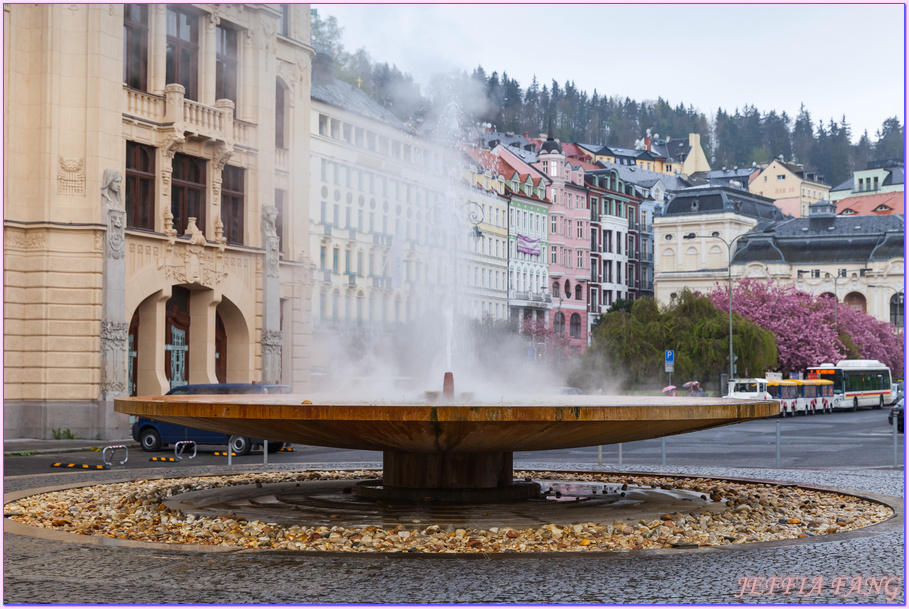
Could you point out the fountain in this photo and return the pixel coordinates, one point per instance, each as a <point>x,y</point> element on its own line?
<point>453,449</point>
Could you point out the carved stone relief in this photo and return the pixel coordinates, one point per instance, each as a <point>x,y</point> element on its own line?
<point>71,177</point>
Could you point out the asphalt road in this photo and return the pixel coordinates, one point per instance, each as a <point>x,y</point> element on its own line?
<point>842,440</point>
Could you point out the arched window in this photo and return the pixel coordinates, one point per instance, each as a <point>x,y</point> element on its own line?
<point>575,325</point>
<point>555,289</point>
<point>577,292</point>
<point>897,310</point>
<point>567,289</point>
<point>559,323</point>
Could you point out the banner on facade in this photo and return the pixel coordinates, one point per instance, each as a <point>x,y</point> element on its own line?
<point>526,245</point>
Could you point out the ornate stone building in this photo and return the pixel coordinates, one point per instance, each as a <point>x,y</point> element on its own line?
<point>156,205</point>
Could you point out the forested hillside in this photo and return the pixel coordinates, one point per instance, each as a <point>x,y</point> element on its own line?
<point>731,137</point>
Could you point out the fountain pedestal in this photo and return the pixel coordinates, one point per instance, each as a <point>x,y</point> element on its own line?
<point>451,477</point>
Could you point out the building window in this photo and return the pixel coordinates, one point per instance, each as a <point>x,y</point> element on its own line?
<point>580,259</point>
<point>232,204</point>
<point>577,292</point>
<point>559,323</point>
<point>575,328</point>
<point>188,192</point>
<point>280,115</point>
<point>555,289</point>
<point>580,228</point>
<point>897,310</point>
<point>135,45</point>
<point>284,22</point>
<point>279,220</point>
<point>183,49</point>
<point>226,64</point>
<point>140,186</point>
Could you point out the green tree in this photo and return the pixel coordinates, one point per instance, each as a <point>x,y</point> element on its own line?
<point>891,141</point>
<point>629,345</point>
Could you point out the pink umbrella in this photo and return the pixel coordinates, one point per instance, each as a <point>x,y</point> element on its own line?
<point>691,384</point>
<point>668,388</point>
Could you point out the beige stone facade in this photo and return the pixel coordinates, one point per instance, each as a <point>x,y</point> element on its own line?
<point>141,196</point>
<point>781,180</point>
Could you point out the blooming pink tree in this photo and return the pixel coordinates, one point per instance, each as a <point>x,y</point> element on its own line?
<point>804,325</point>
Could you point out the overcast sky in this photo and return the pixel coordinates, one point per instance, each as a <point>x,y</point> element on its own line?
<point>837,59</point>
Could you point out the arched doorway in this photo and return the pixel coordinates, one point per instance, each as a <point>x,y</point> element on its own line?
<point>856,301</point>
<point>176,337</point>
<point>220,349</point>
<point>132,355</point>
<point>896,310</point>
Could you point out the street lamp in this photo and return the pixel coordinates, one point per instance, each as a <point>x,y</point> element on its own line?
<point>716,235</point>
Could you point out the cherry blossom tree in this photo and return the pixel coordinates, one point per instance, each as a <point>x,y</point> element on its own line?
<point>804,326</point>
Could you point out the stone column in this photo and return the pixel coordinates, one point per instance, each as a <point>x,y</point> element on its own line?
<point>271,299</point>
<point>114,327</point>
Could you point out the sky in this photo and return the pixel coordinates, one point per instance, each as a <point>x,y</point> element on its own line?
<point>836,59</point>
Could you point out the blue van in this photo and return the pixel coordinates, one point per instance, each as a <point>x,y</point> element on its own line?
<point>154,435</point>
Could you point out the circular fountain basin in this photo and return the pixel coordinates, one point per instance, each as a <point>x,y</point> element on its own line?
<point>449,446</point>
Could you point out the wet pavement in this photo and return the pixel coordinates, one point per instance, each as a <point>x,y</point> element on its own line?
<point>860,567</point>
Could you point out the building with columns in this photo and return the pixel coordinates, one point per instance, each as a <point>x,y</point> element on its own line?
<point>858,260</point>
<point>156,205</point>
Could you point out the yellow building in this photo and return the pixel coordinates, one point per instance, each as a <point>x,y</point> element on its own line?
<point>155,205</point>
<point>791,186</point>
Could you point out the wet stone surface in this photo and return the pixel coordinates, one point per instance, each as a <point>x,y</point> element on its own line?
<point>51,571</point>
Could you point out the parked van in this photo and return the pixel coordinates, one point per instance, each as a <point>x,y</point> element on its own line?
<point>154,435</point>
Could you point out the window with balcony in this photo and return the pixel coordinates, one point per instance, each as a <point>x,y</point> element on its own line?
<point>188,192</point>
<point>232,204</point>
<point>226,54</point>
<point>182,65</point>
<point>135,46</point>
<point>140,186</point>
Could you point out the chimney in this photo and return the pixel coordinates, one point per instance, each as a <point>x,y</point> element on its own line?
<point>323,69</point>
<point>647,143</point>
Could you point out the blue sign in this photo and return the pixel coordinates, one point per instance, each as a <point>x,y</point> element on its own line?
<point>531,353</point>
<point>670,357</point>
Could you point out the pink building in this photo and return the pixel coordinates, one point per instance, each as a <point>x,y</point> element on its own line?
<point>569,242</point>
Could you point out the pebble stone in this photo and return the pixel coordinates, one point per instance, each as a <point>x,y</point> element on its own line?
<point>43,570</point>
<point>753,513</point>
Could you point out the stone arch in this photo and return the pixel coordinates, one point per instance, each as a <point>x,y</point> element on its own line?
<point>239,351</point>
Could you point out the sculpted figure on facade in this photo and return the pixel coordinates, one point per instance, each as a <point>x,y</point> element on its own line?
<point>272,243</point>
<point>116,216</point>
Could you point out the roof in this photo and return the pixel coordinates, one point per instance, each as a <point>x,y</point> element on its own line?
<point>514,141</point>
<point>574,151</point>
<point>350,98</point>
<point>823,239</point>
<point>880,203</point>
<point>722,199</point>
<point>646,178</point>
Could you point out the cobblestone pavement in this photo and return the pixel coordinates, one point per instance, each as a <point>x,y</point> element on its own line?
<point>43,570</point>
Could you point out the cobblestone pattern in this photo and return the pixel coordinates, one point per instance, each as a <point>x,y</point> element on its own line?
<point>42,571</point>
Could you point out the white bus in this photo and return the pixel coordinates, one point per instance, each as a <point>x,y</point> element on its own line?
<point>856,382</point>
